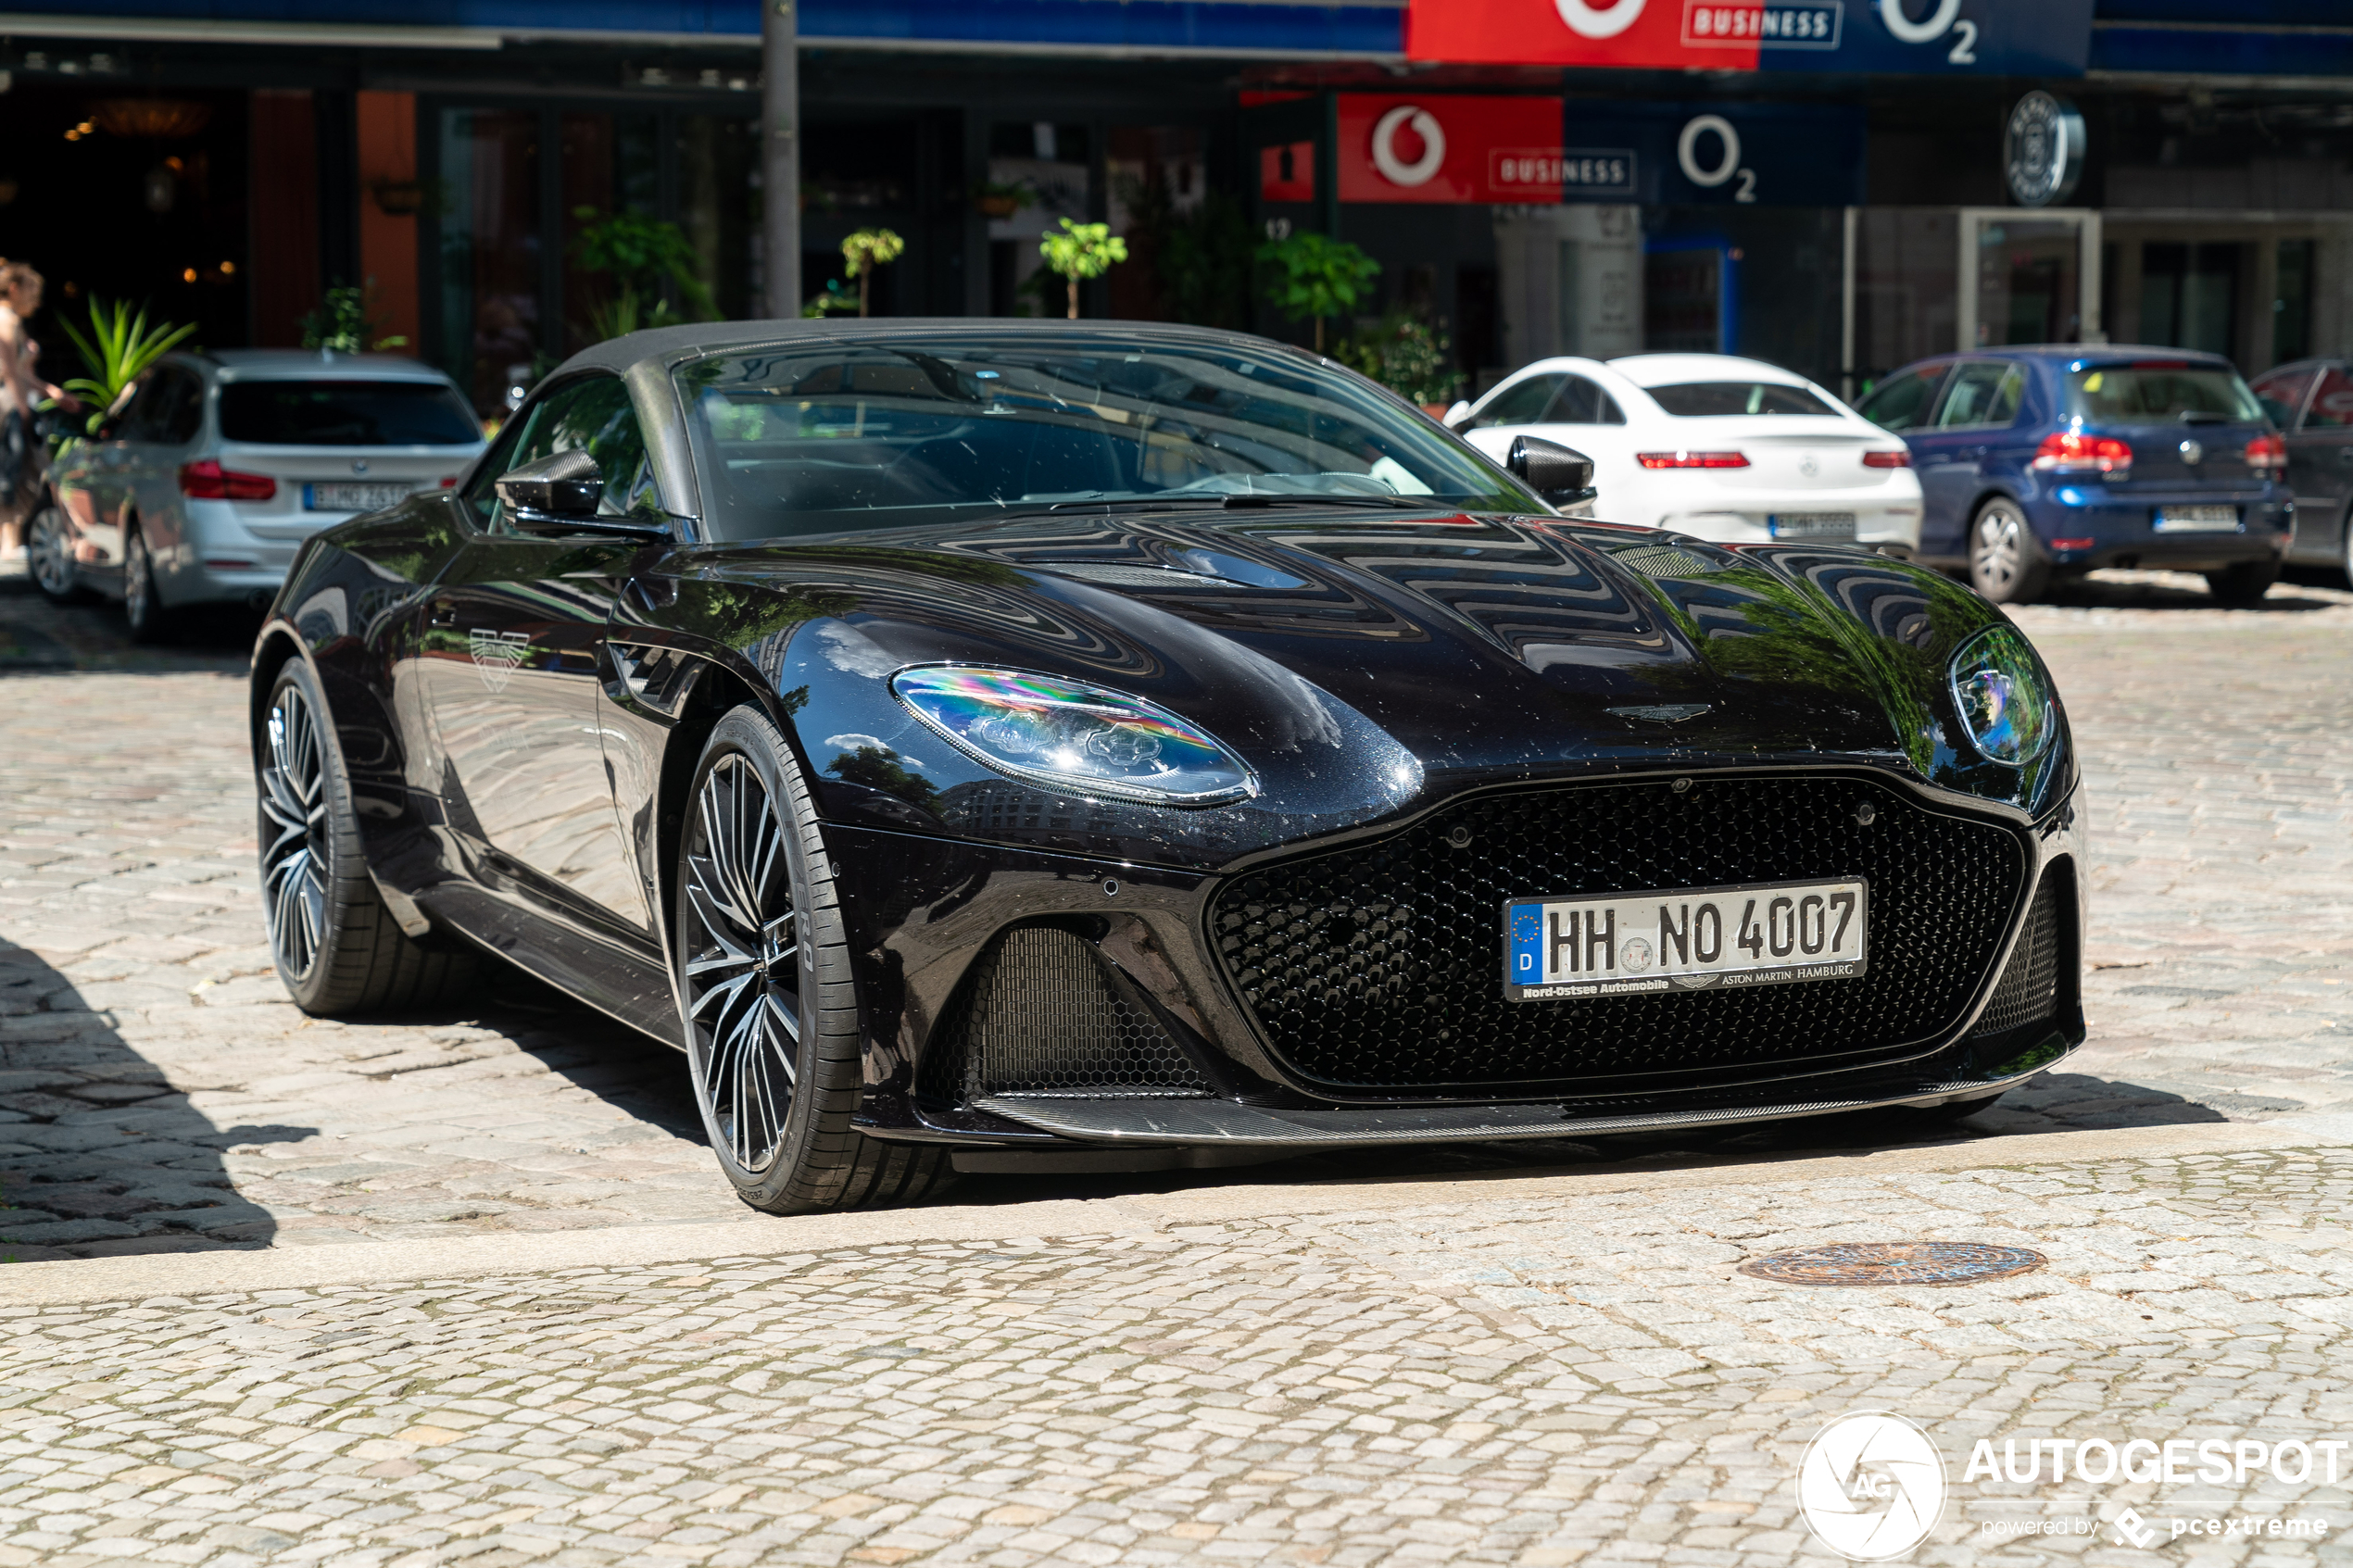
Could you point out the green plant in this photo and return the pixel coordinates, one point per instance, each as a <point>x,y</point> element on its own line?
<point>1200,260</point>
<point>648,261</point>
<point>343,323</point>
<point>118,349</point>
<point>1405,352</point>
<point>864,251</point>
<point>1316,276</point>
<point>1081,250</point>
<point>831,300</point>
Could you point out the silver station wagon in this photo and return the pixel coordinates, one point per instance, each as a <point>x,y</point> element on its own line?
<point>201,488</point>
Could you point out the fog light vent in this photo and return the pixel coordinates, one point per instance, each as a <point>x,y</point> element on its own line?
<point>1041,1017</point>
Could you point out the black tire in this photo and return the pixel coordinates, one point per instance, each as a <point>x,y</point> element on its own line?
<point>48,555</point>
<point>149,618</point>
<point>339,950</point>
<point>767,994</point>
<point>2006,560</point>
<point>2243,585</point>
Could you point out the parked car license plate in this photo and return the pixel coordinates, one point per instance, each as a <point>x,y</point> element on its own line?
<point>1811,525</point>
<point>1683,939</point>
<point>2197,520</point>
<point>350,497</point>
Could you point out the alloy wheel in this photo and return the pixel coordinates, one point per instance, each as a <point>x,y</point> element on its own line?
<point>2001,550</point>
<point>742,968</point>
<point>47,554</point>
<point>293,800</point>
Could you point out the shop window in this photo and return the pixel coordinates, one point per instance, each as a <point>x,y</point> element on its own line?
<point>2189,295</point>
<point>1043,171</point>
<point>1905,292</point>
<point>608,169</point>
<point>491,241</point>
<point>2292,302</point>
<point>1157,180</point>
<point>2029,283</point>
<point>718,207</point>
<point>1683,301</point>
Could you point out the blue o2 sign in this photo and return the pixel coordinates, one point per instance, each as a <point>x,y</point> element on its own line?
<point>1771,154</point>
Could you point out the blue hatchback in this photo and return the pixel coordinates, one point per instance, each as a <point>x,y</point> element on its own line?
<point>2058,459</point>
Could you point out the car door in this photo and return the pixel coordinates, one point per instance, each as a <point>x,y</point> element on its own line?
<point>512,635</point>
<point>1980,400</point>
<point>2320,466</point>
<point>1901,403</point>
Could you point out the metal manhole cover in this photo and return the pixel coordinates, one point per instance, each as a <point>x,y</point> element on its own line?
<point>1894,1262</point>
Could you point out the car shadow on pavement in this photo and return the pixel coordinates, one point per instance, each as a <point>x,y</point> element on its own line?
<point>2299,592</point>
<point>100,1154</point>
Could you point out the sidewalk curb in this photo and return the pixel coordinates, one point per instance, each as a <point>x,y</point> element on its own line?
<point>143,1277</point>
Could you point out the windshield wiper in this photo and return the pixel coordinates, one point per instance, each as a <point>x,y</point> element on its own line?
<point>1303,498</point>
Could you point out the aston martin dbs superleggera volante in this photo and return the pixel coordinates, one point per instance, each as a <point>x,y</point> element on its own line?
<point>1013,745</point>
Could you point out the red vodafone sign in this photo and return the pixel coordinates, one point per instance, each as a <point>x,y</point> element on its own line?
<point>1434,147</point>
<point>1637,33</point>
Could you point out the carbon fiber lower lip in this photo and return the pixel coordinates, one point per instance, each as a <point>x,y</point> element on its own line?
<point>1223,1121</point>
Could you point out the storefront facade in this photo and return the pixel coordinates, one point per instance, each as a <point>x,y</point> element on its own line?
<point>1820,182</point>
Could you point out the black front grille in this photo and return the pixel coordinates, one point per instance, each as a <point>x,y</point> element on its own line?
<point>2029,986</point>
<point>1038,1016</point>
<point>1381,967</point>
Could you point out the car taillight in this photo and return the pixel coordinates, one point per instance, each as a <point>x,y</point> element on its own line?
<point>2266,452</point>
<point>2069,451</point>
<point>1691,459</point>
<point>207,481</point>
<point>1896,459</point>
<point>449,483</point>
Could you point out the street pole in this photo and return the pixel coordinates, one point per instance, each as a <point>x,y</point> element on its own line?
<point>780,158</point>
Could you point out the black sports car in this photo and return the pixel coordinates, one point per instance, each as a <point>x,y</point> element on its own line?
<point>1013,745</point>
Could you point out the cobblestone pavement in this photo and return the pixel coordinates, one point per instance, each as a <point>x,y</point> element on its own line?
<point>1529,1380</point>
<point>156,1092</point>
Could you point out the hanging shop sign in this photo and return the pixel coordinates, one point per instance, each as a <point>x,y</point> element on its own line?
<point>1932,37</point>
<point>1441,147</point>
<point>1719,151</point>
<point>2043,149</point>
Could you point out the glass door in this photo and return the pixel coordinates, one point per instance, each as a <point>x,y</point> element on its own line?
<point>2029,275</point>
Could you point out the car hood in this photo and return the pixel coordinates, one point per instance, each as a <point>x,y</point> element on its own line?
<point>1482,649</point>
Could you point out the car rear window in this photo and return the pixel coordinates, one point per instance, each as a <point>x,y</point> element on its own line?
<point>1707,399</point>
<point>2159,393</point>
<point>346,413</point>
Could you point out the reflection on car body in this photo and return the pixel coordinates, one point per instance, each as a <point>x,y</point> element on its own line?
<point>994,745</point>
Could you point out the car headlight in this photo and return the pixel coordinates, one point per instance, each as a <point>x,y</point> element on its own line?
<point>2004,699</point>
<point>1054,732</point>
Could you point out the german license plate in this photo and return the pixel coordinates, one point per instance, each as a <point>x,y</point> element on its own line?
<point>348,497</point>
<point>1683,939</point>
<point>1811,525</point>
<point>2197,520</point>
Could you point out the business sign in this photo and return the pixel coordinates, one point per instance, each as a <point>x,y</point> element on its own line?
<point>1439,147</point>
<point>1721,151</point>
<point>1933,37</point>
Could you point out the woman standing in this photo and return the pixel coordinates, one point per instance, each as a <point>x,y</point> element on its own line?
<point>21,392</point>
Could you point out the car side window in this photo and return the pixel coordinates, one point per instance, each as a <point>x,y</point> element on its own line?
<point>1522,403</point>
<point>1581,402</point>
<point>1901,402</point>
<point>180,410</point>
<point>2282,393</point>
<point>593,414</point>
<point>2331,401</point>
<point>1983,394</point>
<point>141,417</point>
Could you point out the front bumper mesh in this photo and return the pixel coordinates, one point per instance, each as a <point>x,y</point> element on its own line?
<point>1380,967</point>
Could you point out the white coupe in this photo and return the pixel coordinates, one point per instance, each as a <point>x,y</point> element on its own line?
<point>1722,448</point>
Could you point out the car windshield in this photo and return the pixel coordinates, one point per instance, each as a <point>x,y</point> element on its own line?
<point>2148,394</point>
<point>1708,399</point>
<point>826,437</point>
<point>346,413</point>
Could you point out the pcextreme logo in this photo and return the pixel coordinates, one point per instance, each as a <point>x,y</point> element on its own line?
<point>1871,1486</point>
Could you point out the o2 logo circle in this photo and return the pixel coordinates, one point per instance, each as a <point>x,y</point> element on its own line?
<point>1727,163</point>
<point>1587,22</point>
<point>1946,18</point>
<point>1424,124</point>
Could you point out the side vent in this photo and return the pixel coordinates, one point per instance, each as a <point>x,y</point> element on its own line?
<point>2029,990</point>
<point>1038,1016</point>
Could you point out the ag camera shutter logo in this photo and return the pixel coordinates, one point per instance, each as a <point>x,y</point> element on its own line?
<point>1871,1486</point>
